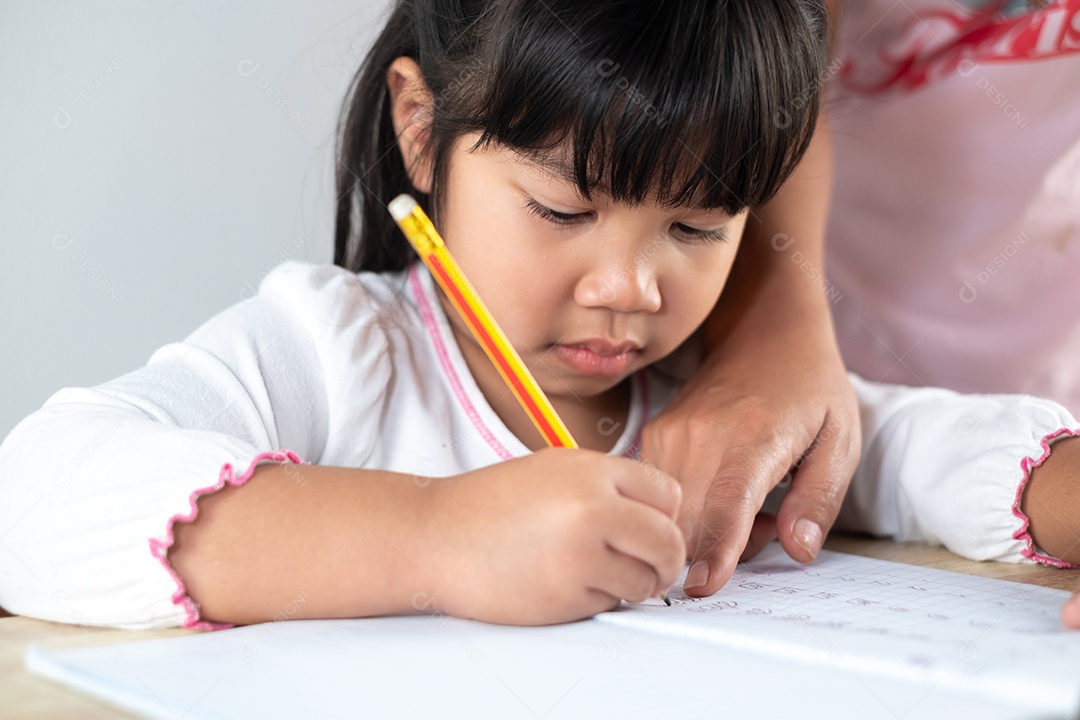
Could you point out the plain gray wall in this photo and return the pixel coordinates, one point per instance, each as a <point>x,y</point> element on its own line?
<point>156,160</point>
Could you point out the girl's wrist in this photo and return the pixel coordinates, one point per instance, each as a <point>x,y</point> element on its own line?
<point>437,574</point>
<point>411,562</point>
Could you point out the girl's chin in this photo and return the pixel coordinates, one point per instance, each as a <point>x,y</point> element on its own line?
<point>576,387</point>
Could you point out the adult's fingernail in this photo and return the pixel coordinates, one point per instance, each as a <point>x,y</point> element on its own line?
<point>808,534</point>
<point>698,575</point>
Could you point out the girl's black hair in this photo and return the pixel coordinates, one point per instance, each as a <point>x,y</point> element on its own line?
<point>709,103</point>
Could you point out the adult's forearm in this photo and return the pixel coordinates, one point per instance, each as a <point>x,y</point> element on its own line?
<point>777,283</point>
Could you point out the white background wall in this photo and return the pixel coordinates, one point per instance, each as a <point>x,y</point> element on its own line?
<point>157,159</point>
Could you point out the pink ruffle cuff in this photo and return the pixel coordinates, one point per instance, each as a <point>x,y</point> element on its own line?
<point>160,549</point>
<point>1027,465</point>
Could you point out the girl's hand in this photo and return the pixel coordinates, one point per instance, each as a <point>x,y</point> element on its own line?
<point>555,536</point>
<point>1070,612</point>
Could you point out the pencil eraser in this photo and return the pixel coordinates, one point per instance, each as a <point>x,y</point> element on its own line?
<point>401,207</point>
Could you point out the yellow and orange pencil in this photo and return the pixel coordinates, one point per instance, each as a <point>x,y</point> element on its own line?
<point>421,234</point>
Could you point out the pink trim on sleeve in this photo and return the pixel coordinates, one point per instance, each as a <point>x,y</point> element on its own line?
<point>160,549</point>
<point>432,325</point>
<point>1027,465</point>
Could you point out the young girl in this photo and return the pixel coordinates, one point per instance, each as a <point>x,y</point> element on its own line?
<point>339,445</point>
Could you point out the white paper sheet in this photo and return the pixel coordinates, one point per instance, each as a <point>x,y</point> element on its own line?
<point>986,636</point>
<point>638,662</point>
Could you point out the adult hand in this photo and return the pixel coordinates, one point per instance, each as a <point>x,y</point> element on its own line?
<point>771,396</point>
<point>733,433</point>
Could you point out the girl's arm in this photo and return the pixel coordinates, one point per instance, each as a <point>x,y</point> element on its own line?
<point>557,535</point>
<point>94,482</point>
<point>306,541</point>
<point>131,502</point>
<point>968,472</point>
<point>771,394</point>
<point>1052,504</point>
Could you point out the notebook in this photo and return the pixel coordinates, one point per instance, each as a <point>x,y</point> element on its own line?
<point>844,637</point>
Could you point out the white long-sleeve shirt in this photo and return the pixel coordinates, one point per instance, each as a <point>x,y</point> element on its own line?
<point>333,368</point>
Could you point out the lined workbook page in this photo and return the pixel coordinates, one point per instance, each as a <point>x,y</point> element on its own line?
<point>438,667</point>
<point>986,636</point>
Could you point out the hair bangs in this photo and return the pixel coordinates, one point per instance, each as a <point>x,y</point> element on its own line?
<point>704,103</point>
<point>609,113</point>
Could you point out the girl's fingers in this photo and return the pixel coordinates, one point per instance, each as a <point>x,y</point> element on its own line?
<point>647,535</point>
<point>625,577</point>
<point>647,484</point>
<point>1070,611</point>
<point>600,601</point>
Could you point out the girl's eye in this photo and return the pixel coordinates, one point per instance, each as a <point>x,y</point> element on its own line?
<point>692,234</point>
<point>718,235</point>
<point>554,216</point>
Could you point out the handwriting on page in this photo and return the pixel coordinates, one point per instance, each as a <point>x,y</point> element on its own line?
<point>880,617</point>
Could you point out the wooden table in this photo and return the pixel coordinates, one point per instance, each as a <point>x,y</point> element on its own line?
<point>24,695</point>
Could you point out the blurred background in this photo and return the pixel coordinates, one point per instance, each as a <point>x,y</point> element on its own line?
<point>157,159</point>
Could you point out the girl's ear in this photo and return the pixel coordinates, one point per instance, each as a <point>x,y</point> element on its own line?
<point>412,108</point>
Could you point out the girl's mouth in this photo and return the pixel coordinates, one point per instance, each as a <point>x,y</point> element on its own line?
<point>599,358</point>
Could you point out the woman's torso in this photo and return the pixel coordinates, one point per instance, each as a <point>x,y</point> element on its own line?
<point>954,239</point>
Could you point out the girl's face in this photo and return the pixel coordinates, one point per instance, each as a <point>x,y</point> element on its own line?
<point>588,292</point>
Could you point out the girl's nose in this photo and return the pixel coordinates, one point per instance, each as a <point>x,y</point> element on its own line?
<point>630,287</point>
